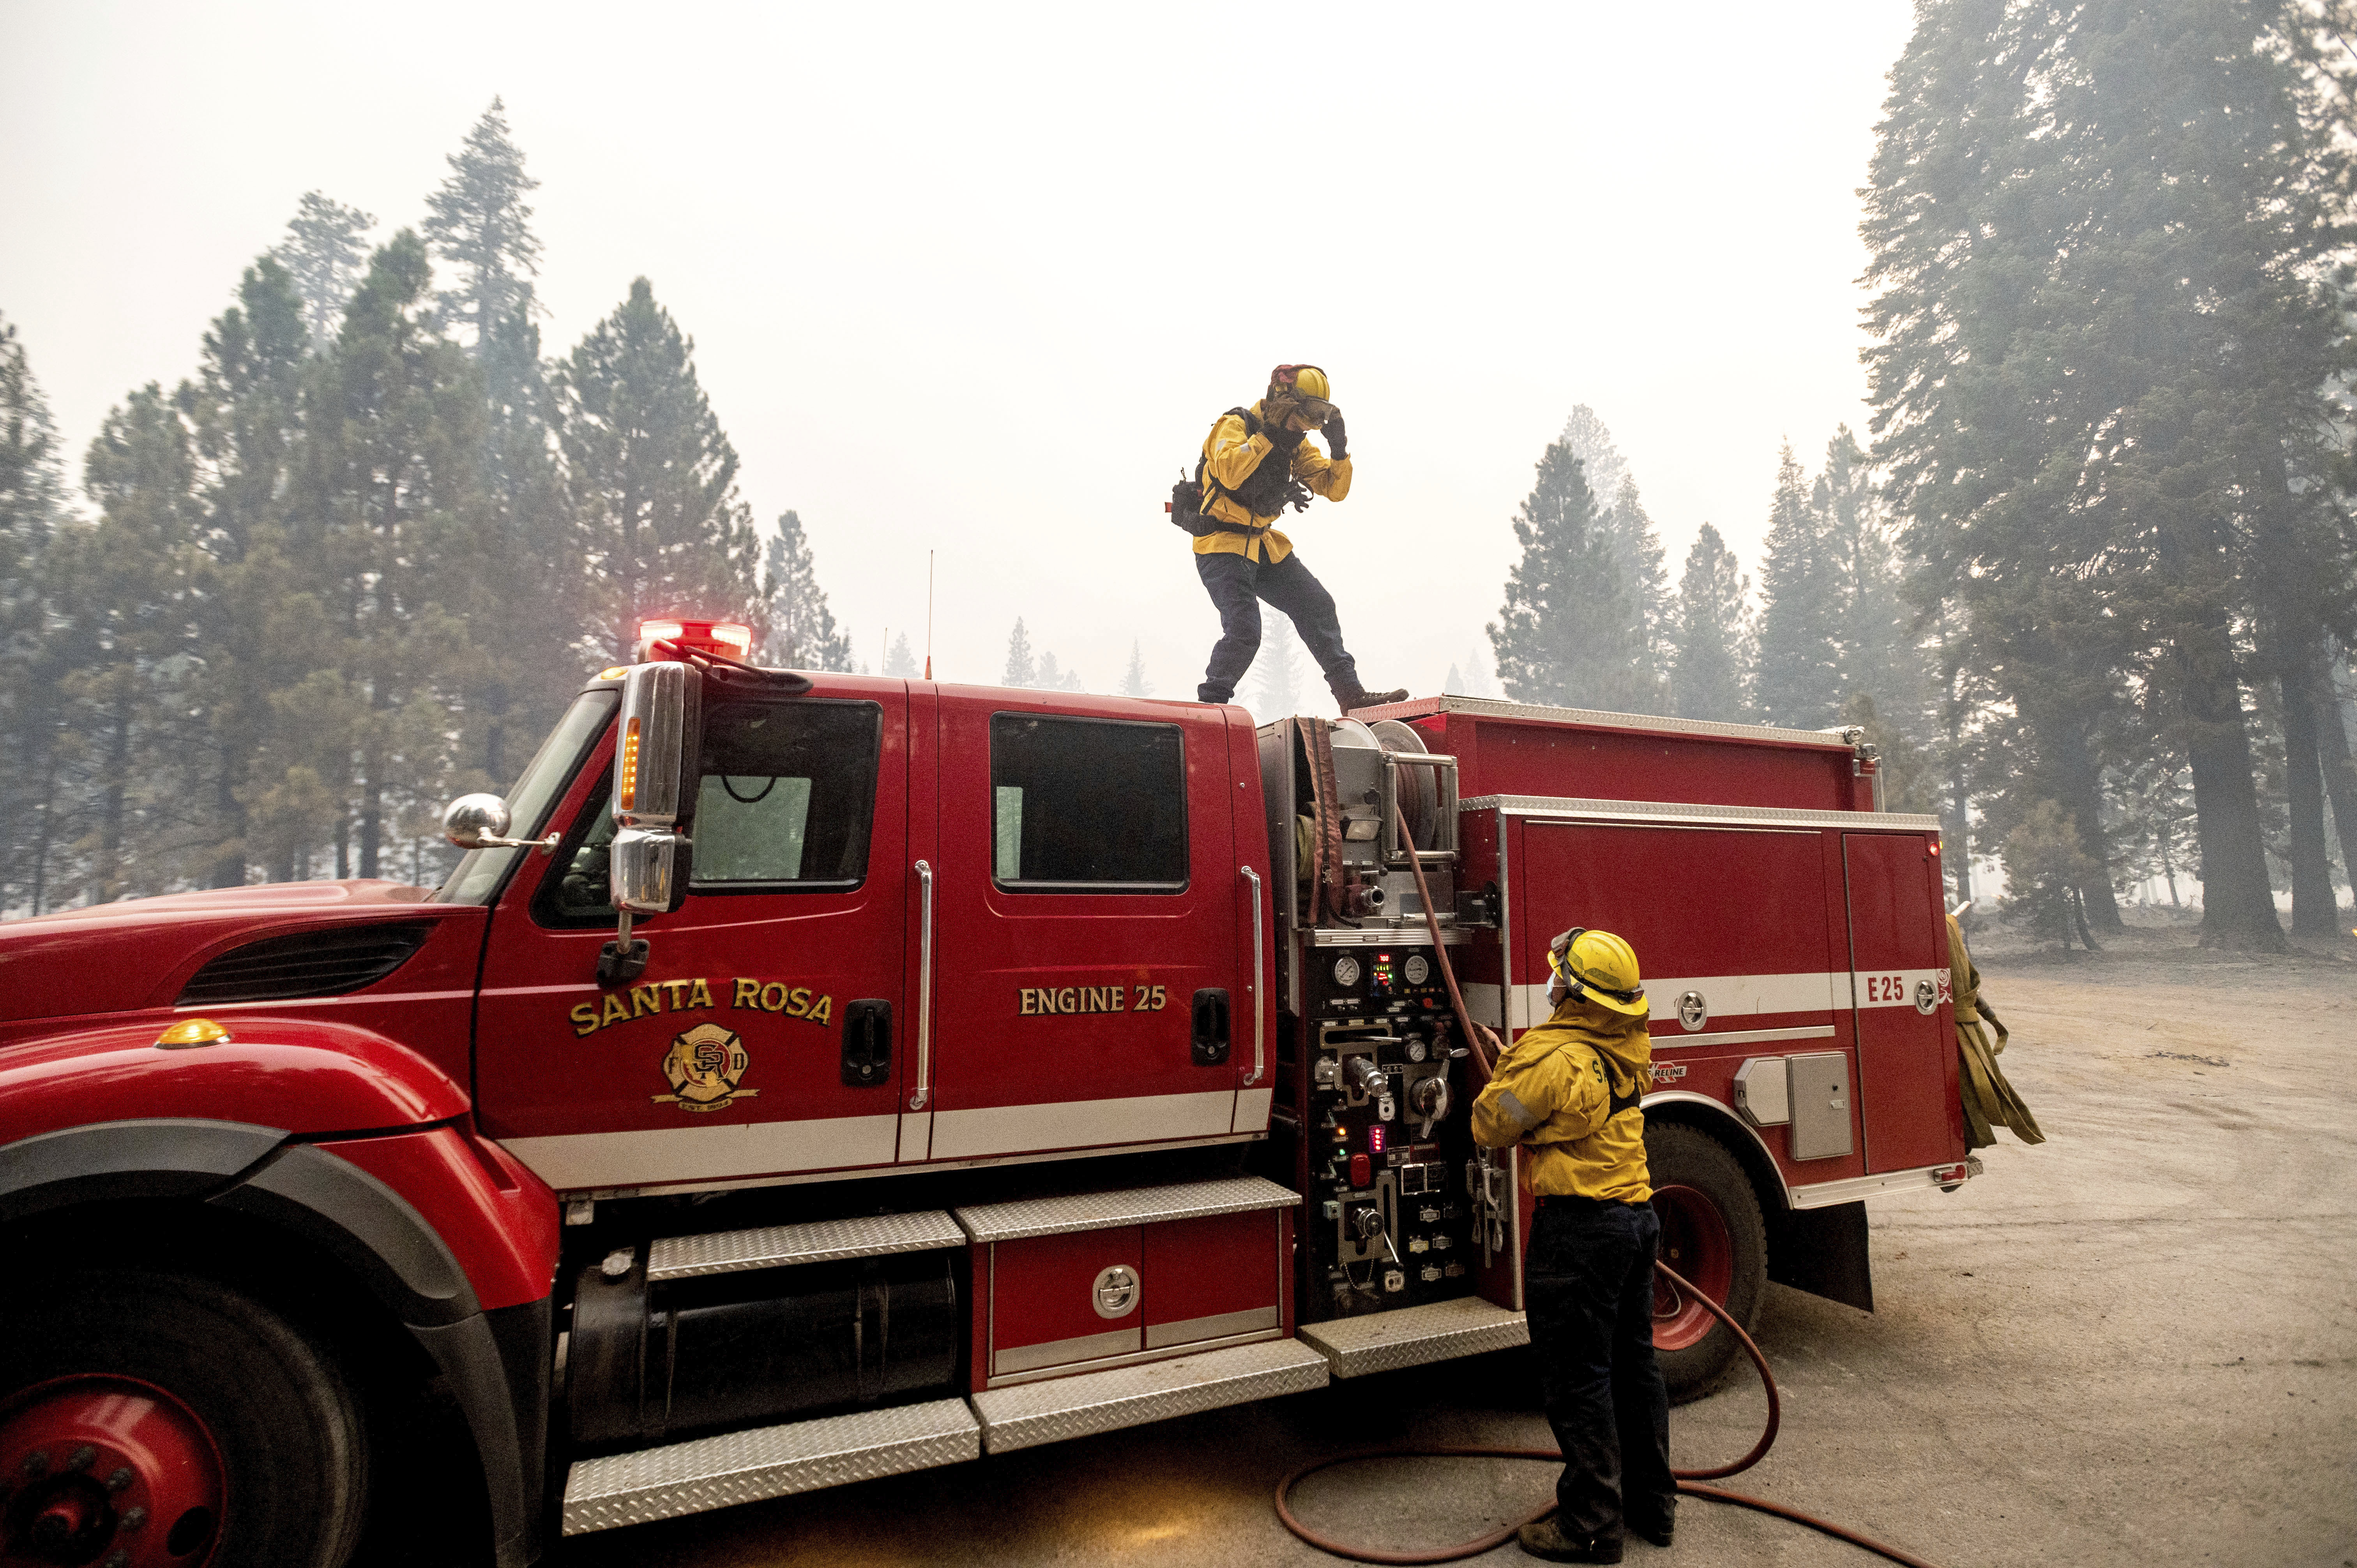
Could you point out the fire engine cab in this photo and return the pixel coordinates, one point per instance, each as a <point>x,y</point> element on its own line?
<point>807,1078</point>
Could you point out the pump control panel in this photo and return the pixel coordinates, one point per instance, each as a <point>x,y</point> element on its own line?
<point>1385,1141</point>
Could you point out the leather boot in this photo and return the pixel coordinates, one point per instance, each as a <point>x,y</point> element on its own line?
<point>1546,1540</point>
<point>1358,697</point>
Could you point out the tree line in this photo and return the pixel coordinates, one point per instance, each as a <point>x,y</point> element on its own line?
<point>2088,579</point>
<point>2093,586</point>
<point>355,563</point>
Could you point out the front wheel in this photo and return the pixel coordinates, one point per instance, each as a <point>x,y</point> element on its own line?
<point>1713,1234</point>
<point>164,1421</point>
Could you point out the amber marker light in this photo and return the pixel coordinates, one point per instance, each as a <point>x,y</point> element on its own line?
<point>190,1033</point>
<point>627,791</point>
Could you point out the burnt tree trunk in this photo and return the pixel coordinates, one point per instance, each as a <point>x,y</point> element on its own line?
<point>2238,906</point>
<point>2313,904</point>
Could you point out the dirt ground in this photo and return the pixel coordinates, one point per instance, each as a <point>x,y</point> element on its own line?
<point>2135,1344</point>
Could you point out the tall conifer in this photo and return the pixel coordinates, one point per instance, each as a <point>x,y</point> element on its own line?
<point>654,477</point>
<point>325,254</point>
<point>480,223</point>
<point>801,633</point>
<point>1566,633</point>
<point>1799,683</point>
<point>1710,647</point>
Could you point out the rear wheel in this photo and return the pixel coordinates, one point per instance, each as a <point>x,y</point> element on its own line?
<point>1713,1234</point>
<point>163,1421</point>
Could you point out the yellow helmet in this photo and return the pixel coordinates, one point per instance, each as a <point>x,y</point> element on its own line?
<point>1599,967</point>
<point>1304,381</point>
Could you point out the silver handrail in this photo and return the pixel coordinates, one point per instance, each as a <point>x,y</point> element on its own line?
<point>1260,1016</point>
<point>924,988</point>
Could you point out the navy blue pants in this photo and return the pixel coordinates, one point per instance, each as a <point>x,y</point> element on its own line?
<point>1587,1283</point>
<point>1237,586</point>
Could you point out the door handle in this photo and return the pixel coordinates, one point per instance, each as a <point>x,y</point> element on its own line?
<point>1211,1034</point>
<point>866,1043</point>
<point>1259,1001</point>
<point>924,1090</point>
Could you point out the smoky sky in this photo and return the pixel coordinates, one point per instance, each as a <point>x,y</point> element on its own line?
<point>977,280</point>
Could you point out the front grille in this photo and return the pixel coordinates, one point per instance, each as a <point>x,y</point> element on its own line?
<point>309,963</point>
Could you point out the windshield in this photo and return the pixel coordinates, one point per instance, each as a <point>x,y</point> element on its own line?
<point>476,879</point>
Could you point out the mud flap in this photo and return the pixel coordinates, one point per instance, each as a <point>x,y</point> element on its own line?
<point>1824,1253</point>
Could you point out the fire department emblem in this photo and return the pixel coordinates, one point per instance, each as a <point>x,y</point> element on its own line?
<point>704,1067</point>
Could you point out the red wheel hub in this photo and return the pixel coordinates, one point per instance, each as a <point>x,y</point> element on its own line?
<point>108,1471</point>
<point>1695,1242</point>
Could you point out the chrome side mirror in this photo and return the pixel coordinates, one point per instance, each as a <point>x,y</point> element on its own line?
<point>643,869</point>
<point>481,821</point>
<point>656,747</point>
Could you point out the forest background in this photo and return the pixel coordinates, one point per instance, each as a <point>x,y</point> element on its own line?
<point>2087,579</point>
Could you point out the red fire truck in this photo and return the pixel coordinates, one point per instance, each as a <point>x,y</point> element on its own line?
<point>833,1077</point>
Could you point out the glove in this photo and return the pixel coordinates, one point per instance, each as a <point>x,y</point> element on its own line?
<point>1338,446</point>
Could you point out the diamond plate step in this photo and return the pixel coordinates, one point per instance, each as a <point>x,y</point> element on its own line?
<point>817,1241</point>
<point>1438,1331</point>
<point>1128,1206</point>
<point>768,1462</point>
<point>1032,1413</point>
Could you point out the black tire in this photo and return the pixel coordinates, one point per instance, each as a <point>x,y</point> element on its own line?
<point>1696,1181</point>
<point>293,1446</point>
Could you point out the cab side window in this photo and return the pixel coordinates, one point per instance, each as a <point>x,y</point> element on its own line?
<point>1087,805</point>
<point>785,802</point>
<point>787,798</point>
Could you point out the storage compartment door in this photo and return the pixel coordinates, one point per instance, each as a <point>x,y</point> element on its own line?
<point>1058,1300</point>
<point>1213,1278</point>
<point>1906,1025</point>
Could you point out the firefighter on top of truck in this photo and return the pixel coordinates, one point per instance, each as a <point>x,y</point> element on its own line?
<point>1569,1092</point>
<point>1254,462</point>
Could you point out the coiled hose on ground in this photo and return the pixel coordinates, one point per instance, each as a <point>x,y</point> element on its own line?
<point>1689,1481</point>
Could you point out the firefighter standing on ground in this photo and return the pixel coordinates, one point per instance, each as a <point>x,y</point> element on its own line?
<point>1255,461</point>
<point>1567,1091</point>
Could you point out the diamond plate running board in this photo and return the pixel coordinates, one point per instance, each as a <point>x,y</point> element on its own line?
<point>767,1462</point>
<point>1031,1413</point>
<point>1436,1331</point>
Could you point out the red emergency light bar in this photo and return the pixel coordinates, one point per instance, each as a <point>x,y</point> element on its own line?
<point>724,638</point>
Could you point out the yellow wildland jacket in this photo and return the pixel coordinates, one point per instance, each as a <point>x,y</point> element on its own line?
<point>1554,1093</point>
<point>1231,452</point>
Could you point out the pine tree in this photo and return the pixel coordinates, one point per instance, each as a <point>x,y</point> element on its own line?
<point>1710,633</point>
<point>900,662</point>
<point>32,509</point>
<point>654,477</point>
<point>1053,678</point>
<point>479,223</point>
<point>2104,374</point>
<point>1633,547</point>
<point>1276,670</point>
<point>1799,682</point>
<point>801,628</point>
<point>259,624</point>
<point>1022,668</point>
<point>1134,683</point>
<point>325,252</point>
<point>123,598</point>
<point>1564,635</point>
<point>389,493</point>
<point>1878,651</point>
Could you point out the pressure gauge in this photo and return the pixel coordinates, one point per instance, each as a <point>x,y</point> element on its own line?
<point>1416,970</point>
<point>1346,971</point>
<point>1416,1048</point>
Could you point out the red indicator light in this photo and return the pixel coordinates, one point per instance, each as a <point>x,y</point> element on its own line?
<point>725,638</point>
<point>1376,1139</point>
<point>1361,1170</point>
